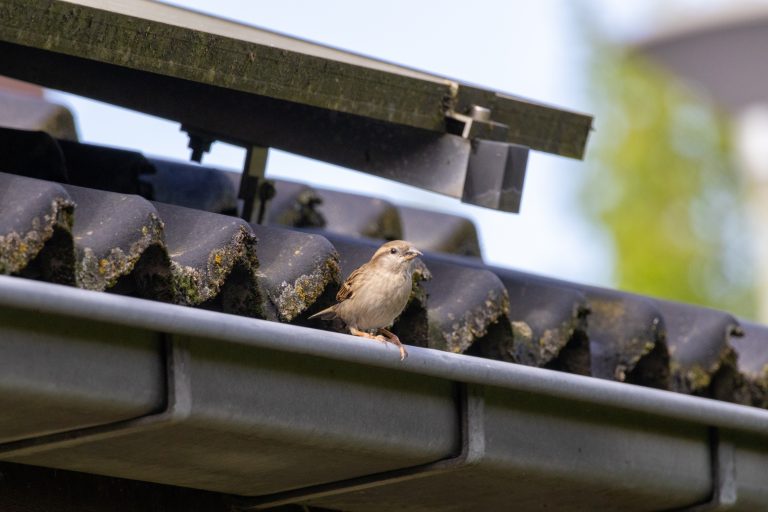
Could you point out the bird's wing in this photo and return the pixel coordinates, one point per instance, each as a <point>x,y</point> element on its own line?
<point>352,282</point>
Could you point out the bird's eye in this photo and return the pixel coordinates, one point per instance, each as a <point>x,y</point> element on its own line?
<point>393,251</point>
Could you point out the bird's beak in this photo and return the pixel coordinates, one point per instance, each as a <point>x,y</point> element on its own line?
<point>412,253</point>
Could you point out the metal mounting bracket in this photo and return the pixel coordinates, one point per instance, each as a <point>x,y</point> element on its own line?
<point>472,431</point>
<point>495,171</point>
<point>495,175</point>
<point>476,124</point>
<point>254,185</point>
<point>177,407</point>
<point>199,142</point>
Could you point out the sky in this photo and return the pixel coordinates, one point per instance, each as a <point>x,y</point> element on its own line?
<point>528,48</point>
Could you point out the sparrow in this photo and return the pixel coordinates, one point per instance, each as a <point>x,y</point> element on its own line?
<point>376,293</point>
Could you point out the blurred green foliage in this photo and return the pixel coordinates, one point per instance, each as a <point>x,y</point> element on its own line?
<point>663,183</point>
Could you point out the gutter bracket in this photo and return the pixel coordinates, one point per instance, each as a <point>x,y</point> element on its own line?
<point>177,407</point>
<point>724,485</point>
<point>472,431</point>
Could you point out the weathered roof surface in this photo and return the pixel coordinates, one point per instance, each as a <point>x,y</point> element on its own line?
<point>548,323</point>
<point>126,244</point>
<point>752,361</point>
<point>356,215</point>
<point>118,239</point>
<point>188,256</point>
<point>300,271</point>
<point>213,260</point>
<point>701,350</point>
<point>294,205</point>
<point>464,306</point>
<point>192,186</point>
<point>36,230</point>
<point>439,232</point>
<point>27,112</point>
<point>241,421</point>
<point>301,206</point>
<point>627,341</point>
<point>32,153</point>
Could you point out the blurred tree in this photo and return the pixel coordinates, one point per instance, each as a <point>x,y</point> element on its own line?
<point>662,181</point>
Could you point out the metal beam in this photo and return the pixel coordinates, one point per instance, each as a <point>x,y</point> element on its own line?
<point>155,38</point>
<point>256,88</point>
<point>239,84</point>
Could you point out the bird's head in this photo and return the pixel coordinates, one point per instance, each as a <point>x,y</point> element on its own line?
<point>395,256</point>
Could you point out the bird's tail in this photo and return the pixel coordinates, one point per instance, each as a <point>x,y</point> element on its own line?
<point>326,314</point>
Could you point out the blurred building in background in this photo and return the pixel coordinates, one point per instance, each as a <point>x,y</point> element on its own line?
<point>722,54</point>
<point>668,174</point>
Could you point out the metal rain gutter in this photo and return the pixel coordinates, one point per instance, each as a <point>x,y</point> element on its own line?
<point>672,445</point>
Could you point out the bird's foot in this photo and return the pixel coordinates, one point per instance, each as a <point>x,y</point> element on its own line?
<point>386,337</point>
<point>392,338</point>
<point>363,334</point>
<point>367,335</point>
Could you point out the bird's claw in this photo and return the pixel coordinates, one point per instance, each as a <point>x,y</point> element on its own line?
<point>392,338</point>
<point>395,341</point>
<point>386,338</point>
